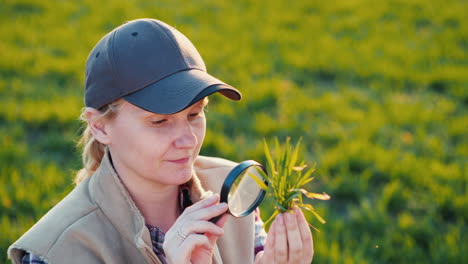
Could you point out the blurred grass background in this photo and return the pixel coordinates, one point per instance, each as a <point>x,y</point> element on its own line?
<point>377,89</point>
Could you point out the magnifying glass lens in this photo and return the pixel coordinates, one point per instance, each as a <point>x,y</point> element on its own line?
<point>244,191</point>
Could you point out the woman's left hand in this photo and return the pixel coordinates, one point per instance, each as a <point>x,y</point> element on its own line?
<point>289,240</point>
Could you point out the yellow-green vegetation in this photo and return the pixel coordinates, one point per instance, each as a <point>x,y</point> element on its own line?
<point>377,89</point>
<point>285,180</point>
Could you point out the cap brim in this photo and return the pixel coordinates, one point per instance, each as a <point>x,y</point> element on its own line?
<point>179,91</point>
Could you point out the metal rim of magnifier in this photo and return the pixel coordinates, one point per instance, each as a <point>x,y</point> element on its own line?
<point>232,176</point>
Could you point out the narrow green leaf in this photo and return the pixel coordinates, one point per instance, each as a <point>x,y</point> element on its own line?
<point>270,162</point>
<point>319,217</point>
<point>319,196</point>
<point>291,197</point>
<point>312,195</point>
<point>265,176</point>
<point>313,227</point>
<point>267,222</point>
<point>277,154</point>
<point>311,209</point>
<point>287,153</point>
<point>259,182</point>
<point>309,171</point>
<point>281,207</point>
<point>304,181</point>
<point>299,168</point>
<point>295,154</point>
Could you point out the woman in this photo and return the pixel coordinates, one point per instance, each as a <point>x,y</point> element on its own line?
<point>144,194</point>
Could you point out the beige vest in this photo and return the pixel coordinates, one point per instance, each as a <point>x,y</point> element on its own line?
<point>99,223</point>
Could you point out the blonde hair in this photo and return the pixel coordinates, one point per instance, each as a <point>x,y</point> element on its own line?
<point>93,150</point>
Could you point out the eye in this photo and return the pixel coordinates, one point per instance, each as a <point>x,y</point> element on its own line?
<point>158,122</point>
<point>195,115</point>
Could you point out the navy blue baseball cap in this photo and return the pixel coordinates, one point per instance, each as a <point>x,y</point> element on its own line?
<point>151,65</point>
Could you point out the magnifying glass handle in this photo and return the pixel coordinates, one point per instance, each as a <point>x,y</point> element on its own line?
<point>215,219</point>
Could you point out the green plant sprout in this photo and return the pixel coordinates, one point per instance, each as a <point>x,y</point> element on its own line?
<point>286,179</point>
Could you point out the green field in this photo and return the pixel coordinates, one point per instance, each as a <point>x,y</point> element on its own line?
<point>377,89</point>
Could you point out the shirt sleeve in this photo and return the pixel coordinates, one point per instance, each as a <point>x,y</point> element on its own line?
<point>30,258</point>
<point>260,234</point>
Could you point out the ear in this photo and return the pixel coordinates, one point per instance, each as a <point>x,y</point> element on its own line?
<point>97,125</point>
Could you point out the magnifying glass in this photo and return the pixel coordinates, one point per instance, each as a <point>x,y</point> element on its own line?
<point>241,191</point>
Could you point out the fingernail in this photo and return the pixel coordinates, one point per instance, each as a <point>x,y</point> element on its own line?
<point>280,217</point>
<point>207,195</point>
<point>211,198</point>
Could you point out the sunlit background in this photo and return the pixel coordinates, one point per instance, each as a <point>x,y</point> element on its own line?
<point>377,89</point>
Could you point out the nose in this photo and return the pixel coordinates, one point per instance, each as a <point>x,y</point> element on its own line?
<point>186,137</point>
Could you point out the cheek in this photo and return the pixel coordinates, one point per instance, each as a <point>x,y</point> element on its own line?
<point>130,138</point>
<point>201,133</point>
<point>123,141</point>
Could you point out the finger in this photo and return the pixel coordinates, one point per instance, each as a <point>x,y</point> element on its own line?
<point>196,223</point>
<point>205,213</point>
<point>213,199</point>
<point>306,236</point>
<point>173,238</point>
<point>294,238</point>
<point>216,219</point>
<point>281,243</point>
<point>259,257</point>
<point>193,241</point>
<point>175,248</point>
<point>268,255</point>
<point>200,227</point>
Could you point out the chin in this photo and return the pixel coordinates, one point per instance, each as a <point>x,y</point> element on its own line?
<point>183,176</point>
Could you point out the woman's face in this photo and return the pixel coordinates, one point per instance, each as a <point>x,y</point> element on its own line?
<point>159,148</point>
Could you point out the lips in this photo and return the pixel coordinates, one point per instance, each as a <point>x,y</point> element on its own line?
<point>180,161</point>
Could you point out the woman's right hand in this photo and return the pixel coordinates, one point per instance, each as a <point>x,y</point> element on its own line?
<point>192,238</point>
